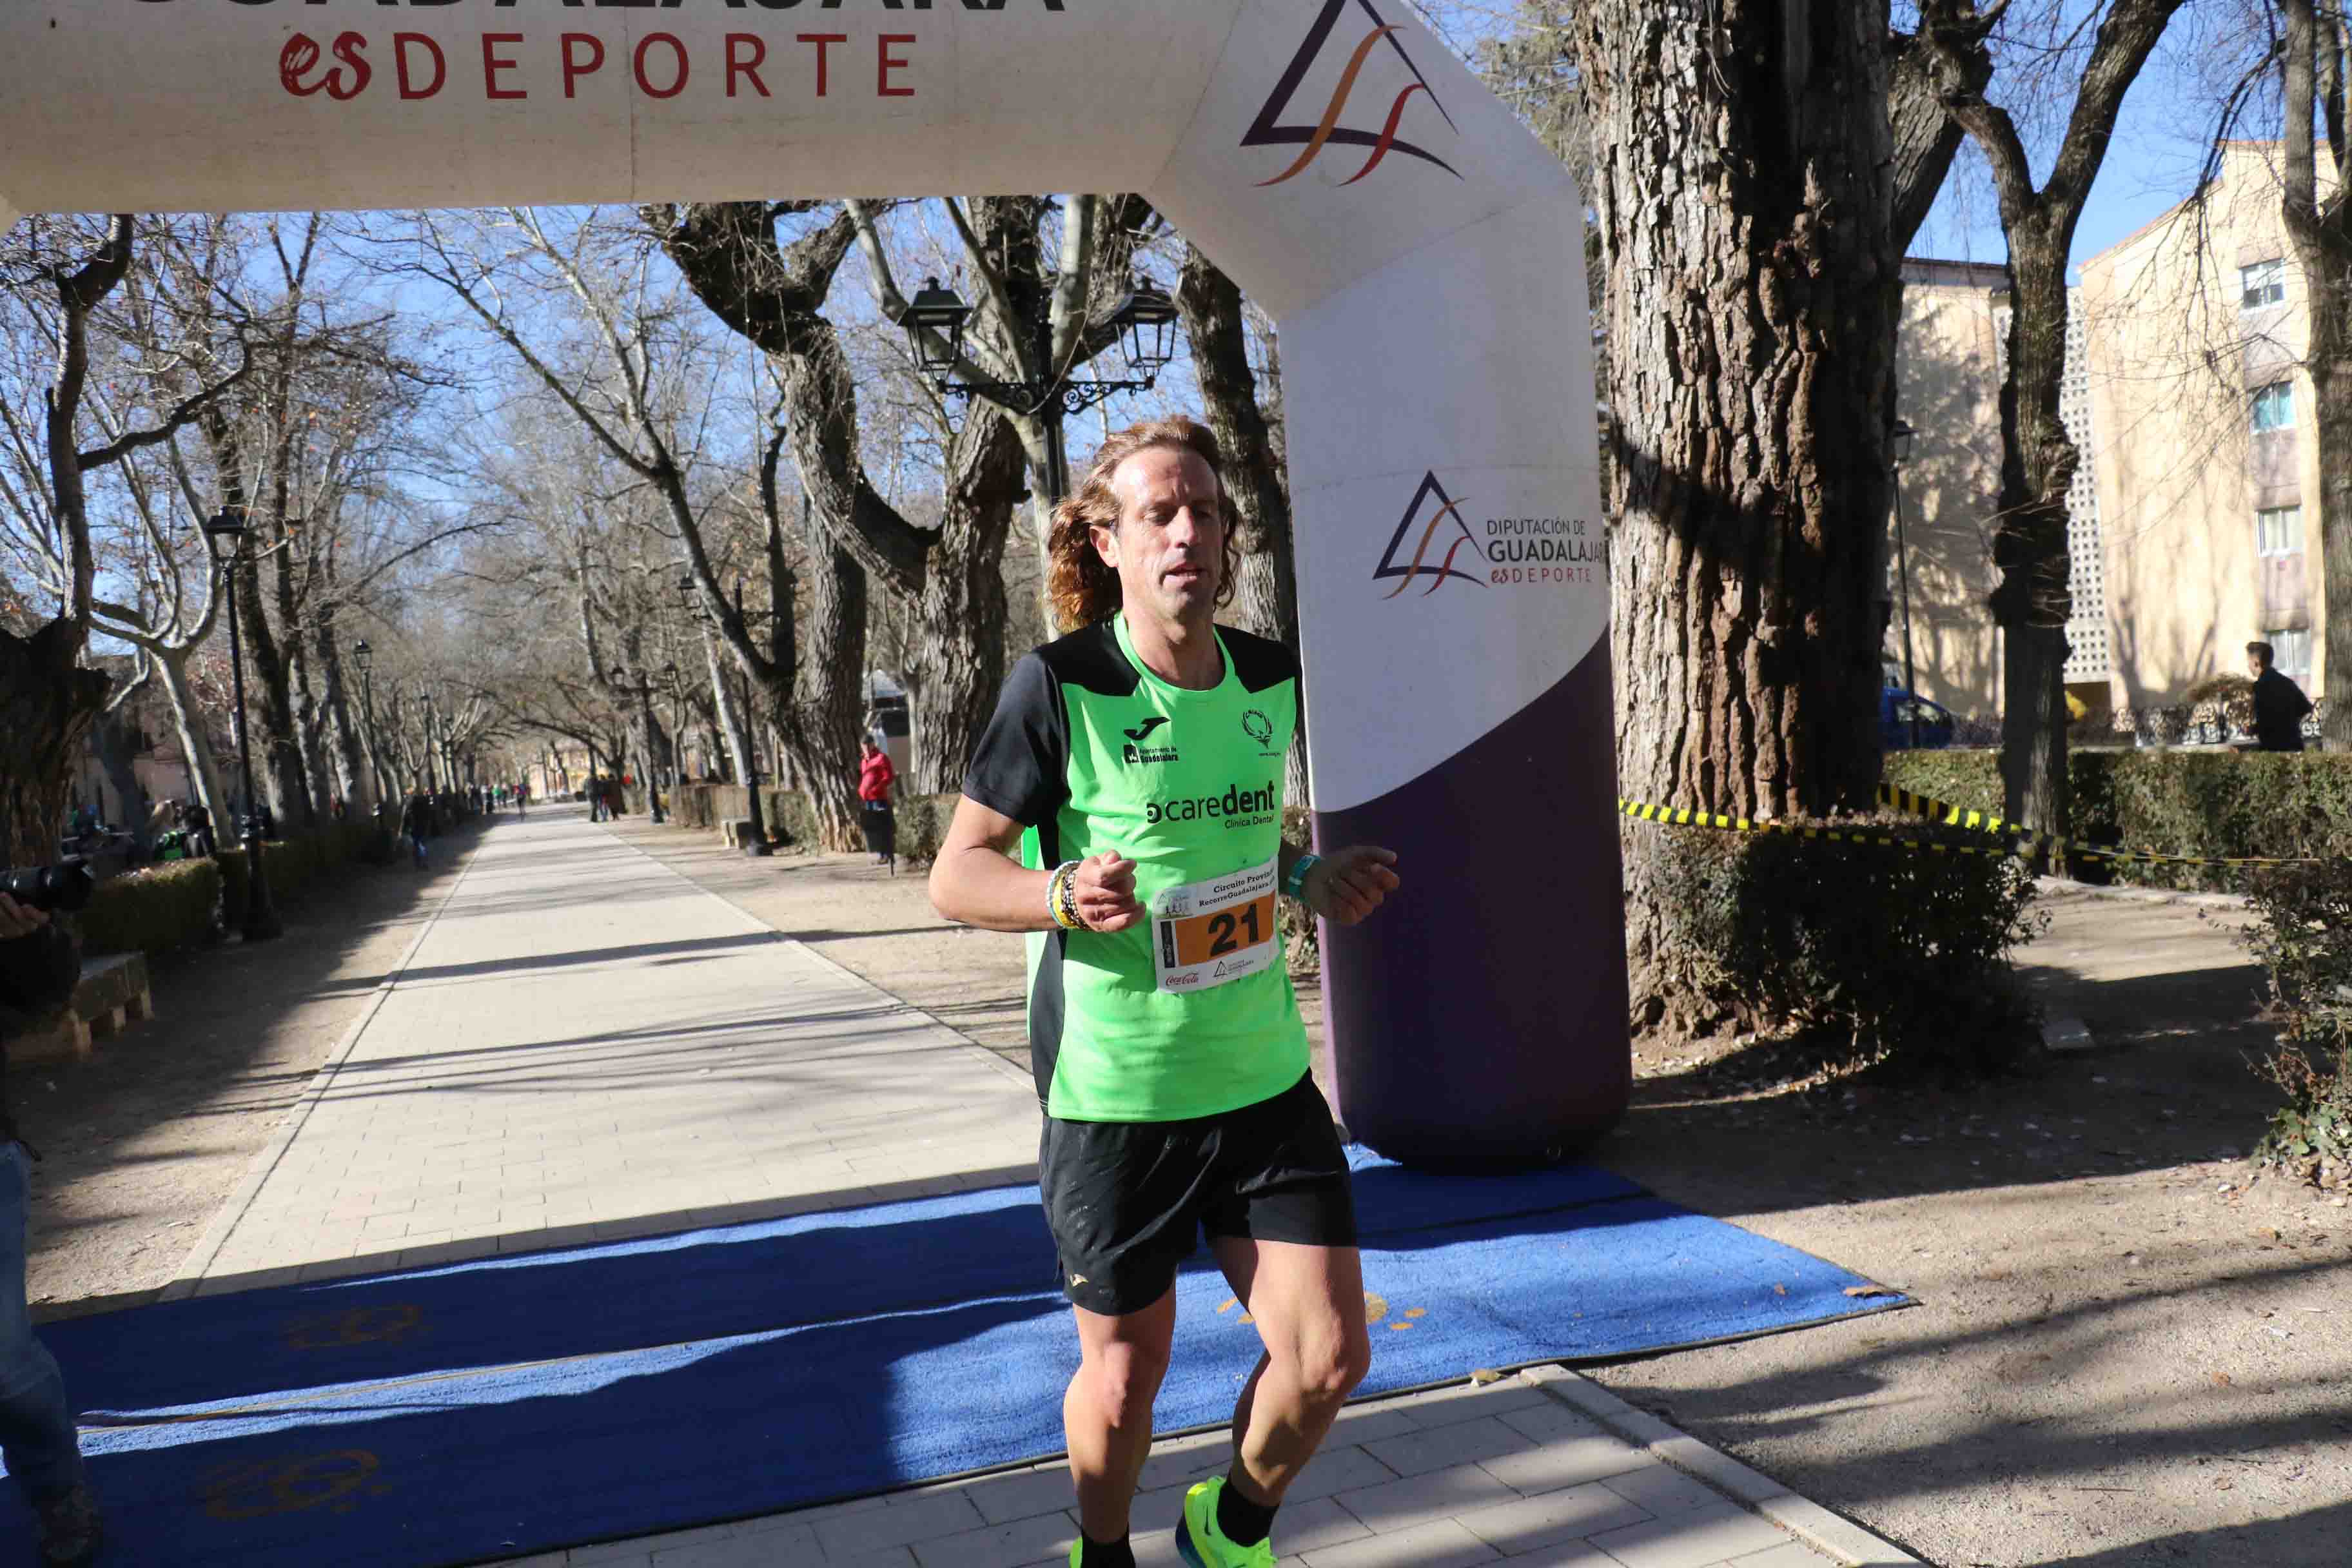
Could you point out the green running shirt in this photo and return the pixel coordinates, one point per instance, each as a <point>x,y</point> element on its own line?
<point>1190,1013</point>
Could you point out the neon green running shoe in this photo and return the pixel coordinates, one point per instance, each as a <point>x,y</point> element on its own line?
<point>1203,1545</point>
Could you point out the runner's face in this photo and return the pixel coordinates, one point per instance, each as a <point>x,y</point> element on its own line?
<point>1168,549</point>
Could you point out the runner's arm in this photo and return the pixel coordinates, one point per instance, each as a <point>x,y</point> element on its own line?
<point>1345,885</point>
<point>975,882</point>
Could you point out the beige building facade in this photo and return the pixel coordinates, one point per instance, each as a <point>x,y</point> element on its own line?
<point>2190,533</point>
<point>2208,475</point>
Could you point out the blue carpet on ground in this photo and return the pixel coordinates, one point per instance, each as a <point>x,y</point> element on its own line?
<point>502,1408</point>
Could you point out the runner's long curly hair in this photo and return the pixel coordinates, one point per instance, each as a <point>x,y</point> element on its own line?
<point>1084,589</point>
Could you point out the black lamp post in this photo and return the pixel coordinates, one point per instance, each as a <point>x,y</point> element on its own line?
<point>1146,318</point>
<point>365,656</point>
<point>1900,446</point>
<point>261,922</point>
<point>644,692</point>
<point>759,845</point>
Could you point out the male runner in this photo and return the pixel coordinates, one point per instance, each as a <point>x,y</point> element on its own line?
<point>1139,763</point>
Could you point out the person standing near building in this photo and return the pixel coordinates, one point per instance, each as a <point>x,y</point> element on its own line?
<point>1138,762</point>
<point>2279,703</point>
<point>875,777</point>
<point>38,968</point>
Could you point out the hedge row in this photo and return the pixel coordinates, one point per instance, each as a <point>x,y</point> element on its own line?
<point>162,907</point>
<point>2217,804</point>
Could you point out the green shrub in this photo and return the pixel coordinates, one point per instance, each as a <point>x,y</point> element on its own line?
<point>154,910</point>
<point>2208,803</point>
<point>2302,939</point>
<point>1864,954</point>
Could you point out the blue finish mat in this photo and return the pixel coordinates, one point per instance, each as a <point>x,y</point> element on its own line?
<point>501,1407</point>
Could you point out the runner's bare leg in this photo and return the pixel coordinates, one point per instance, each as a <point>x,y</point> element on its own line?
<point>1309,1306</point>
<point>1107,1413</point>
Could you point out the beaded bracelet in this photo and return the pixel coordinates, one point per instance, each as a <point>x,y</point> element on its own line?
<point>1061,895</point>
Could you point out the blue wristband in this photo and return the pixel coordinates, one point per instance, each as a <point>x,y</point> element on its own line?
<point>1294,884</point>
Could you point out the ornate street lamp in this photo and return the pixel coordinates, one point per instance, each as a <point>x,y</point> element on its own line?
<point>1899,447</point>
<point>1147,323</point>
<point>644,692</point>
<point>935,319</point>
<point>226,528</point>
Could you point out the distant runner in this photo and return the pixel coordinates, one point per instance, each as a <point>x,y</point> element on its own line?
<point>1139,763</point>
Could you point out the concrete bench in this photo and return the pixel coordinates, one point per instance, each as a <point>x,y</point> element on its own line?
<point>111,994</point>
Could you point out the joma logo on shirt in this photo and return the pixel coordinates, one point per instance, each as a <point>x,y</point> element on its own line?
<point>1135,752</point>
<point>1235,802</point>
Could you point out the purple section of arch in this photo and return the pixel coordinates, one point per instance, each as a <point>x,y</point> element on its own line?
<point>1483,1013</point>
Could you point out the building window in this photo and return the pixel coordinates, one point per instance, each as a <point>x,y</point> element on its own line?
<point>2291,652</point>
<point>2264,283</point>
<point>2278,531</point>
<point>2274,407</point>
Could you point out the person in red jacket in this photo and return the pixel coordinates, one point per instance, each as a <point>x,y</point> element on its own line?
<point>875,777</point>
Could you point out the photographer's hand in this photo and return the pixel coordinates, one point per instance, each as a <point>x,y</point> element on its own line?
<point>17,920</point>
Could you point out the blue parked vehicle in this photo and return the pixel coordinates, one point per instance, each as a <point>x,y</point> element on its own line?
<point>1897,707</point>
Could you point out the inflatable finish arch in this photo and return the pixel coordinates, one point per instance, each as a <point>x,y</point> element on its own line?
<point>1423,254</point>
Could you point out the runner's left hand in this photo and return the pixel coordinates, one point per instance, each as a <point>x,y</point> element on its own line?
<point>19,920</point>
<point>1347,885</point>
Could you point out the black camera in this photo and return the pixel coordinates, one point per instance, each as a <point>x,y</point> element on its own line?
<point>65,885</point>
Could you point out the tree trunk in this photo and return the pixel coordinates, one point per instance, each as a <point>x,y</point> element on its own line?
<point>114,736</point>
<point>821,724</point>
<point>2034,598</point>
<point>47,703</point>
<point>2314,68</point>
<point>955,661</point>
<point>272,690</point>
<point>195,743</point>
<point>1266,596</point>
<point>1743,181</point>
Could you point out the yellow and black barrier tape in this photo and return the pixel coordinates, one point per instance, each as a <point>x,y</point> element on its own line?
<point>2009,838</point>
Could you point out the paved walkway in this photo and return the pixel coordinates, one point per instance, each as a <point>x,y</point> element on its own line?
<point>583,1044</point>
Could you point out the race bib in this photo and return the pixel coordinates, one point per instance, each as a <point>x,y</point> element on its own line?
<point>1205,934</point>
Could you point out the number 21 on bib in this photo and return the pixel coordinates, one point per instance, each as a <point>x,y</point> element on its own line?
<point>1206,934</point>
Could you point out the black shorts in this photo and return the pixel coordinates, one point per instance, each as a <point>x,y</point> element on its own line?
<point>1126,1200</point>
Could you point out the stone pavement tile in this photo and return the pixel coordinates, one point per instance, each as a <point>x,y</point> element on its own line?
<point>1695,1538</point>
<point>1552,1518</point>
<point>1662,1489</point>
<point>1364,1423</point>
<point>767,1549</point>
<point>1440,1448</point>
<point>1833,1535</point>
<point>1569,1451</point>
<point>613,1554</point>
<point>1440,1543</point>
<point>1337,1470</point>
<point>1788,1554</point>
<point>892,1557</point>
<point>1186,1459</point>
<point>922,1517</point>
<point>1470,1401</point>
<point>1305,1527</point>
<point>1044,1539</point>
<point>1024,1494</point>
<point>1419,1499</point>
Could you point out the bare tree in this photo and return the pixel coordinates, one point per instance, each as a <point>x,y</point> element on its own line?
<point>62,274</point>
<point>2033,602</point>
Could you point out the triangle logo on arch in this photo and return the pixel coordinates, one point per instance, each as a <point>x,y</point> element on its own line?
<point>1367,52</point>
<point>1424,545</point>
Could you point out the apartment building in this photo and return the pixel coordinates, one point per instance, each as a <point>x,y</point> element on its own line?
<point>2207,478</point>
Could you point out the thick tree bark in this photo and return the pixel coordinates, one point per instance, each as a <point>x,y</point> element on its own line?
<point>955,661</point>
<point>350,755</point>
<point>2034,599</point>
<point>2320,226</point>
<point>1265,595</point>
<point>47,703</point>
<point>1746,229</point>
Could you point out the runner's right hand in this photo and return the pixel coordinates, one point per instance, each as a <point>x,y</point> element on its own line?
<point>1106,892</point>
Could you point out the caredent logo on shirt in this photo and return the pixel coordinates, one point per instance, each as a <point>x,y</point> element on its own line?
<point>1237,807</point>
